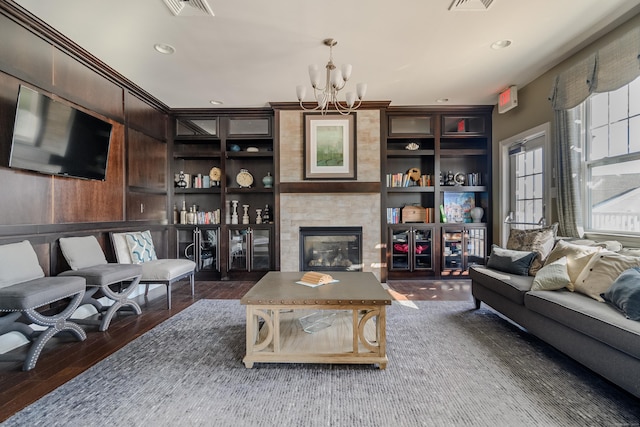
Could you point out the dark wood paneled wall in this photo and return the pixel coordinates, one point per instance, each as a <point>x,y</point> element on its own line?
<point>42,208</point>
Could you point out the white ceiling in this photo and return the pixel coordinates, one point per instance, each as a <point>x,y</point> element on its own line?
<point>409,52</point>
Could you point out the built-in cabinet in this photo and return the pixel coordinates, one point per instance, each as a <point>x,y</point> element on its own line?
<point>462,247</point>
<point>250,248</point>
<point>200,244</point>
<point>224,188</point>
<point>411,248</point>
<point>436,167</point>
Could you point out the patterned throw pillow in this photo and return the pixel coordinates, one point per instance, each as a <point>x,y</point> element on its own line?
<point>539,240</point>
<point>141,247</point>
<point>603,269</point>
<point>578,256</point>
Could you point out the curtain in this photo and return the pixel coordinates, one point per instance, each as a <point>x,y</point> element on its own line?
<point>610,68</point>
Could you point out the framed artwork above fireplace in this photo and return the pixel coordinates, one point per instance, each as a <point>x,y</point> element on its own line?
<point>329,146</point>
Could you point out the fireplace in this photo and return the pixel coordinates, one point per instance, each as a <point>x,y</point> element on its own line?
<point>331,248</point>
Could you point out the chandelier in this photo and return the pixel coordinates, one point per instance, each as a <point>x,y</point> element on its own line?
<point>335,81</point>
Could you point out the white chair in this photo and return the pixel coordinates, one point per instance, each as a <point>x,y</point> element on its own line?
<point>137,247</point>
<point>86,259</point>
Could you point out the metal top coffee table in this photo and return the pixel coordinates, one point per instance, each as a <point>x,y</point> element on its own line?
<point>353,311</point>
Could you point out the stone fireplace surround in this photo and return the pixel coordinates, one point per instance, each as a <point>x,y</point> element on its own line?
<point>330,209</point>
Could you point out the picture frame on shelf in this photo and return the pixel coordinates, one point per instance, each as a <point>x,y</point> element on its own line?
<point>458,205</point>
<point>329,146</point>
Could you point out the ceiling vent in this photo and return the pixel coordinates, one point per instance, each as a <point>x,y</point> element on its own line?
<point>189,7</point>
<point>470,5</point>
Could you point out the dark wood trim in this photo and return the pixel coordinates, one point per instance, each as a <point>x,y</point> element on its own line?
<point>217,112</point>
<point>329,187</point>
<point>20,232</point>
<point>442,109</point>
<point>24,18</point>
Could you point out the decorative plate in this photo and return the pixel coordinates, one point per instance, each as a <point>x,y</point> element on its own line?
<point>215,173</point>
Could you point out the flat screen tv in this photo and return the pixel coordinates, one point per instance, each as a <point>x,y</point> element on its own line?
<point>56,139</point>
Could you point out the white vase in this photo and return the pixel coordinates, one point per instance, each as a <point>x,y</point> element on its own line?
<point>476,214</point>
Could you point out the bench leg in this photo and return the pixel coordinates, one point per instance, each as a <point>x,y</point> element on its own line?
<point>121,300</point>
<point>57,323</point>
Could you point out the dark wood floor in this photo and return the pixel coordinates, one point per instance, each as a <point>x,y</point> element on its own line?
<point>64,358</point>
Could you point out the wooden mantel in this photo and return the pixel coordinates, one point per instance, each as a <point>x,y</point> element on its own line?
<point>330,187</point>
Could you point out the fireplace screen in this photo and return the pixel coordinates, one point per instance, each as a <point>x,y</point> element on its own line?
<point>331,248</point>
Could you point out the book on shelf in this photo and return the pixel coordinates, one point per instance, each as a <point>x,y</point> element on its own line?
<point>403,180</point>
<point>393,215</point>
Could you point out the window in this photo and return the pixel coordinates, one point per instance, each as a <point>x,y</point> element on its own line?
<point>610,127</point>
<point>525,178</point>
<point>526,183</point>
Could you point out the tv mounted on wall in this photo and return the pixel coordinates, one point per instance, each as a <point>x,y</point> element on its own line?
<point>56,139</point>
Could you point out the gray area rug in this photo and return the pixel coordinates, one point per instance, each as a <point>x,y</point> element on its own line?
<point>448,365</point>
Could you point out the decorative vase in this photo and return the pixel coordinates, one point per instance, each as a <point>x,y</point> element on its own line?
<point>476,214</point>
<point>268,180</point>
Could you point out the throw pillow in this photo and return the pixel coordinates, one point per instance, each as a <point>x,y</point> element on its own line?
<point>510,261</point>
<point>624,293</point>
<point>18,263</point>
<point>578,256</point>
<point>603,269</point>
<point>82,252</point>
<point>141,247</point>
<point>539,240</point>
<point>552,276</point>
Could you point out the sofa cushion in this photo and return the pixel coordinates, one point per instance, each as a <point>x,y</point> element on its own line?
<point>592,318</point>
<point>166,269</point>
<point>539,240</point>
<point>18,263</point>
<point>601,271</point>
<point>625,293</point>
<point>510,286</point>
<point>510,261</point>
<point>105,274</point>
<point>552,276</point>
<point>578,256</point>
<point>81,252</point>
<point>38,292</point>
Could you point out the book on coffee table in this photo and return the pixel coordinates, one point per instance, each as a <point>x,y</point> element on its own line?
<point>314,279</point>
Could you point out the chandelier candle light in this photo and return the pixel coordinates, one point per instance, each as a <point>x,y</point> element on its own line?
<point>335,81</point>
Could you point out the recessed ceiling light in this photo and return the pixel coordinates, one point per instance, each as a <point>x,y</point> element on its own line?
<point>441,100</point>
<point>165,49</point>
<point>500,44</point>
<point>216,102</point>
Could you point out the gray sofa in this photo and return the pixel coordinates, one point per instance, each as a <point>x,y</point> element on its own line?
<point>593,333</point>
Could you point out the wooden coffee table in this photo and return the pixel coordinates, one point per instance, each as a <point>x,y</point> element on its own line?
<point>355,306</point>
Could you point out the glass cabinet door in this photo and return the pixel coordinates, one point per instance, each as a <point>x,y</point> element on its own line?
<point>238,244</point>
<point>452,249</point>
<point>476,246</point>
<point>422,249</point>
<point>186,239</point>
<point>260,249</point>
<point>208,238</point>
<point>400,244</point>
<point>250,249</point>
<point>200,246</point>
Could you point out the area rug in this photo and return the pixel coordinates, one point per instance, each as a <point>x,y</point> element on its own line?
<point>448,365</point>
